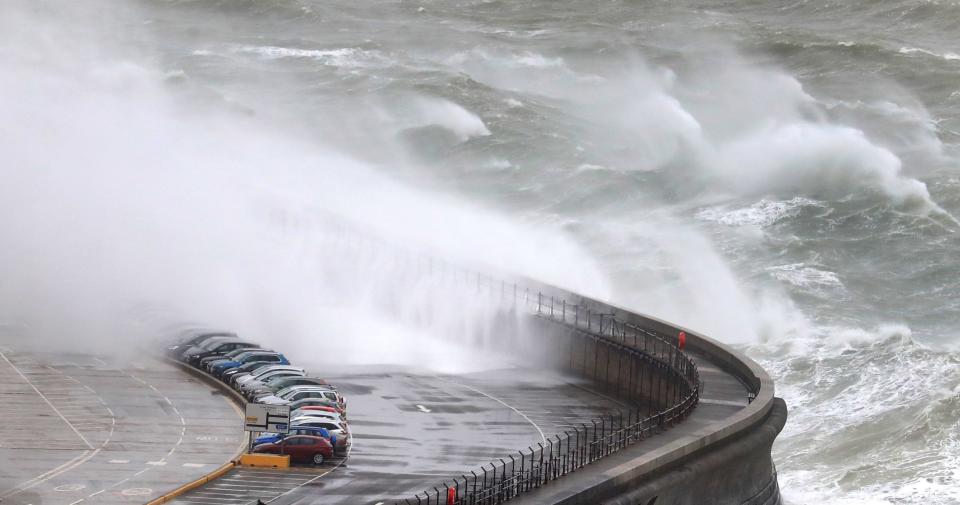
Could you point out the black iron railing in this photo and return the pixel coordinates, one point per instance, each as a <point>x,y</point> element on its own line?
<point>631,362</point>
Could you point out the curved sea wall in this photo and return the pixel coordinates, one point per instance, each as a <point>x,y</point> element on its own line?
<point>708,459</point>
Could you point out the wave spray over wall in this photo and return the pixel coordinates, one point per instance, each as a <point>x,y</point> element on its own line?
<point>781,177</point>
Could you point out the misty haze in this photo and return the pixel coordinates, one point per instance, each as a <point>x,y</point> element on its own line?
<point>305,252</point>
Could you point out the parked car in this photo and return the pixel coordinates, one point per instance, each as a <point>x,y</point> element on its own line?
<point>205,362</point>
<point>260,377</point>
<point>216,348</point>
<point>339,430</point>
<point>276,385</point>
<point>203,346</point>
<point>314,402</point>
<point>272,438</point>
<point>218,368</point>
<point>329,392</point>
<point>243,370</point>
<point>300,392</point>
<point>306,410</point>
<point>193,338</point>
<point>332,416</point>
<point>301,448</point>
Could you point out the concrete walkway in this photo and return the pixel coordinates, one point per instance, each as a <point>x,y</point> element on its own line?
<point>723,396</point>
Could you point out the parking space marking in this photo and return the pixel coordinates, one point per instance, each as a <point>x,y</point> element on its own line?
<point>72,427</point>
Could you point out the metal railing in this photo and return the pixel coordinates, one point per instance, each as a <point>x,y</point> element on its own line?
<point>631,362</point>
<point>641,365</point>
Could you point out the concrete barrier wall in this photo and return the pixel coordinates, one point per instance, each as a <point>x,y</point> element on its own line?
<point>725,463</point>
<point>613,373</point>
<point>738,472</point>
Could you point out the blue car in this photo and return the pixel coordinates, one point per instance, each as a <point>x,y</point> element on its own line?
<point>272,438</point>
<point>270,357</point>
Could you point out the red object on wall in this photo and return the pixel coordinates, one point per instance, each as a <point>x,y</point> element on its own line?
<point>683,340</point>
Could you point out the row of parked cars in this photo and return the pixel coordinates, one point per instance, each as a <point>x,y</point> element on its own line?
<point>318,412</point>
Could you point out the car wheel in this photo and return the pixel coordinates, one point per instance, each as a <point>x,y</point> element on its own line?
<point>318,459</point>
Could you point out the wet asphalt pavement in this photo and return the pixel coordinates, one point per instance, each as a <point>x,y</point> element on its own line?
<point>414,430</point>
<point>88,429</point>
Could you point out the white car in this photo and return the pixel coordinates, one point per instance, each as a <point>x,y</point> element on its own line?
<point>333,416</point>
<point>261,375</point>
<point>328,393</point>
<point>301,392</point>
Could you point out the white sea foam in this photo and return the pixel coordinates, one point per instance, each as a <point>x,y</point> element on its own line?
<point>803,276</point>
<point>349,57</point>
<point>522,59</point>
<point>589,167</point>
<point>449,115</point>
<point>763,213</point>
<point>950,56</point>
<point>881,408</point>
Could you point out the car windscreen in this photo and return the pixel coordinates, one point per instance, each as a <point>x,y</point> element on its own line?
<point>258,357</point>
<point>214,342</point>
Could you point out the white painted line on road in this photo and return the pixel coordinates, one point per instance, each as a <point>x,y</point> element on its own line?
<point>78,501</point>
<point>422,408</point>
<point>195,465</point>
<point>505,404</point>
<point>156,463</point>
<point>46,400</point>
<point>118,461</point>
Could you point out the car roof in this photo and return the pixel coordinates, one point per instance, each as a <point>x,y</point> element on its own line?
<point>304,419</point>
<point>218,340</point>
<point>317,414</point>
<point>264,352</point>
<point>312,401</point>
<point>304,387</point>
<point>279,368</point>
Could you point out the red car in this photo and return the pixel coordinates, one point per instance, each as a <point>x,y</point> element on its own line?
<point>301,448</point>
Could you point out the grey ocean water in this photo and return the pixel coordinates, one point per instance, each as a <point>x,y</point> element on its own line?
<point>781,175</point>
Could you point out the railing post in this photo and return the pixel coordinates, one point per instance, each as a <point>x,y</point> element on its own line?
<point>513,476</point>
<point>540,467</point>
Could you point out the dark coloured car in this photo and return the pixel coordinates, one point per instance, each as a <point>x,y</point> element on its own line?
<point>194,338</point>
<point>206,362</point>
<point>204,346</point>
<point>301,448</point>
<point>218,368</point>
<point>219,349</point>
<point>272,438</point>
